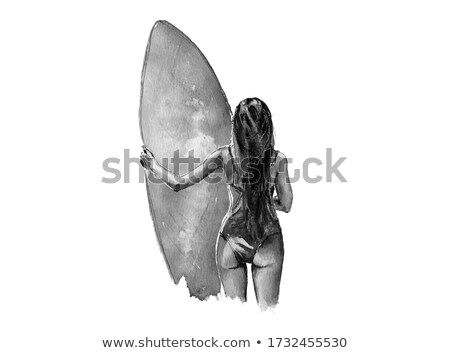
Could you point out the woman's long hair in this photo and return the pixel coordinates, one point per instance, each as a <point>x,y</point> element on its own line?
<point>254,138</point>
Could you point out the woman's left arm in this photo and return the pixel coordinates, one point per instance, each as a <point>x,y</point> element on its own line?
<point>180,182</point>
<point>283,200</point>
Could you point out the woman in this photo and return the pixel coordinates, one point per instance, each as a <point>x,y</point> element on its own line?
<point>250,231</point>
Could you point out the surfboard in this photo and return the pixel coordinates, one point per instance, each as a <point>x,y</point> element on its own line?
<point>184,115</point>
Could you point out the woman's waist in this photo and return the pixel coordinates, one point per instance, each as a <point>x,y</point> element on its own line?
<point>247,222</point>
<point>240,209</point>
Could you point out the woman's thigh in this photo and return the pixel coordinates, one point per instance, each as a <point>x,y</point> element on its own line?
<point>266,271</point>
<point>233,274</point>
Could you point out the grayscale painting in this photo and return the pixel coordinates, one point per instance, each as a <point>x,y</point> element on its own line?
<point>214,178</point>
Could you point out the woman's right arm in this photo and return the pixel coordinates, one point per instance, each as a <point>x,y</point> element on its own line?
<point>180,182</point>
<point>284,198</point>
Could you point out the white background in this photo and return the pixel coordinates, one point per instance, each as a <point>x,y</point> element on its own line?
<point>367,260</point>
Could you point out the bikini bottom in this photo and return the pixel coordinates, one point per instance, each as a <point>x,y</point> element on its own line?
<point>245,252</point>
